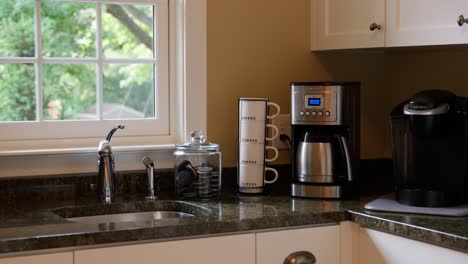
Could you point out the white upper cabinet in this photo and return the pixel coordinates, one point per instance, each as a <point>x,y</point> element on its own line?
<point>345,24</point>
<point>426,22</point>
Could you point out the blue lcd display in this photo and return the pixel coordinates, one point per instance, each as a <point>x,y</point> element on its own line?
<point>314,101</point>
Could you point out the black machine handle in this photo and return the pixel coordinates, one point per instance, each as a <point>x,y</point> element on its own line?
<point>344,144</point>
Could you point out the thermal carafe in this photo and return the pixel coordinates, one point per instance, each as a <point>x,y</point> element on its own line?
<point>325,139</point>
<point>430,149</point>
<point>314,160</point>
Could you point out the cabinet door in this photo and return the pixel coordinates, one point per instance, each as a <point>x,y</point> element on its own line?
<point>227,250</point>
<point>425,22</point>
<point>345,24</point>
<point>381,248</point>
<point>322,242</point>
<point>55,258</point>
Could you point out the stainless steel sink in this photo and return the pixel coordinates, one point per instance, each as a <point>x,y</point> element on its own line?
<point>132,213</point>
<point>130,217</point>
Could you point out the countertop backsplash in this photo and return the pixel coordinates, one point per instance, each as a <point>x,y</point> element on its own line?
<point>375,178</point>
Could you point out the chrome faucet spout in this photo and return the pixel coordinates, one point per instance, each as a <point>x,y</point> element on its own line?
<point>106,165</point>
<point>109,136</point>
<point>149,164</point>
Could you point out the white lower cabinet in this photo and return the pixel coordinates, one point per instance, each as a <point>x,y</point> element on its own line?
<point>214,250</point>
<point>377,247</point>
<point>323,242</point>
<point>347,243</point>
<point>259,248</point>
<point>54,258</point>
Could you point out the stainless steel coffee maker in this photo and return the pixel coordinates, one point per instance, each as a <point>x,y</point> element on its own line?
<point>325,139</point>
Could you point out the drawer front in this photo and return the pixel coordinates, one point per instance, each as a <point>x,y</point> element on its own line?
<point>55,258</point>
<point>214,250</point>
<point>323,242</point>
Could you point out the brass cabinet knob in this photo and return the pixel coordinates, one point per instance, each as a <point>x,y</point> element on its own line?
<point>375,26</point>
<point>462,20</point>
<point>300,257</point>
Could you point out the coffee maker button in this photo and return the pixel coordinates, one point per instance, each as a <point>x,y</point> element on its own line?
<point>314,113</point>
<point>307,113</point>
<point>301,113</point>
<point>327,113</point>
<point>320,113</point>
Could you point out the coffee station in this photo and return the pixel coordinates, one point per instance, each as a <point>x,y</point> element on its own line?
<point>325,148</point>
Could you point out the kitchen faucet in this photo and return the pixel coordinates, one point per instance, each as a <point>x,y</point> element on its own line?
<point>106,176</point>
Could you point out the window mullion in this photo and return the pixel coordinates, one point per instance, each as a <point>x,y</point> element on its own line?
<point>99,66</point>
<point>38,59</point>
<point>69,60</point>
<point>156,54</point>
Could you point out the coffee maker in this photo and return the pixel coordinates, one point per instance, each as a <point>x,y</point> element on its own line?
<point>430,149</point>
<point>325,139</point>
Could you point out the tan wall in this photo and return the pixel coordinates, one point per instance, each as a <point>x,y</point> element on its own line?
<point>256,48</point>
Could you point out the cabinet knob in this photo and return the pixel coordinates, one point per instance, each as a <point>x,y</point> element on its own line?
<point>300,257</point>
<point>374,26</point>
<point>462,20</point>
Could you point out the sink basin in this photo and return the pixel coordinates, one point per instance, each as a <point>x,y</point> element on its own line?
<point>130,217</point>
<point>134,212</point>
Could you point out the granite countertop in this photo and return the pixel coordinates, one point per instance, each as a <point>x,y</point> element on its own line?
<point>27,226</point>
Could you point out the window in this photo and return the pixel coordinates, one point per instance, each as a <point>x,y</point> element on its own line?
<point>29,147</point>
<point>70,70</point>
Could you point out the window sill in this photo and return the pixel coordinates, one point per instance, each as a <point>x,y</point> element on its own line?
<point>63,151</point>
<point>81,160</point>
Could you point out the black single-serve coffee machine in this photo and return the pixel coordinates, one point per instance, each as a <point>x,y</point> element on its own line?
<point>325,139</point>
<point>430,149</point>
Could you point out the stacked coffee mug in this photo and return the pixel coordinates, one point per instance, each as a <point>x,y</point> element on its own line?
<point>252,173</point>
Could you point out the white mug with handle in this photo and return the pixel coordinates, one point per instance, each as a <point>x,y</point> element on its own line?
<point>256,154</point>
<point>254,132</point>
<point>252,178</point>
<point>256,109</point>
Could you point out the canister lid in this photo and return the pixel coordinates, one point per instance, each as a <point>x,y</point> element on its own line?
<point>197,142</point>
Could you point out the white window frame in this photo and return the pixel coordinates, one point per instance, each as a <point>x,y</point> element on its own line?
<point>33,136</point>
<point>187,110</point>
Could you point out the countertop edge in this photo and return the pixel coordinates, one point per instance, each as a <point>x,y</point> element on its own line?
<point>207,227</point>
<point>76,241</point>
<point>413,232</point>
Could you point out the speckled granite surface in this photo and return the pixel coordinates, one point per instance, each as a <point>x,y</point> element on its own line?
<point>450,232</point>
<point>46,229</point>
<point>38,222</point>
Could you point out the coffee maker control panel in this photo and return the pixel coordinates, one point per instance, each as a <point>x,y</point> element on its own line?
<point>317,105</point>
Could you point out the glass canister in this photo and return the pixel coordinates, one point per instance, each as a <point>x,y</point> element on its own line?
<point>198,168</point>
